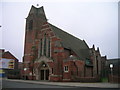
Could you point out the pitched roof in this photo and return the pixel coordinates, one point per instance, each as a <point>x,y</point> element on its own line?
<point>71,42</point>
<point>8,55</point>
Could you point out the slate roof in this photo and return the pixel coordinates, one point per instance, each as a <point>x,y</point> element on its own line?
<point>71,42</point>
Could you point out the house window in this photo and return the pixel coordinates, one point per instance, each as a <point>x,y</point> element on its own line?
<point>30,27</point>
<point>65,68</point>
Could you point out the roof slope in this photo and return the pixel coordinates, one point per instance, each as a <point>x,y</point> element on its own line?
<point>70,42</point>
<point>8,55</point>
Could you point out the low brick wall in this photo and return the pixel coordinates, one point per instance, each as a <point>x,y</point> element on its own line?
<point>114,79</point>
<point>13,76</point>
<point>88,79</point>
<point>55,78</point>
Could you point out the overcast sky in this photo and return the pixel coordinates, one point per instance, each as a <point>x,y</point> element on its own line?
<point>95,22</point>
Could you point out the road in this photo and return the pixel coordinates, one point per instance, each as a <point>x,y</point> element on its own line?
<point>15,84</point>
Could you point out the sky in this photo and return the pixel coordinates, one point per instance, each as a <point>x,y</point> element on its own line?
<point>94,21</point>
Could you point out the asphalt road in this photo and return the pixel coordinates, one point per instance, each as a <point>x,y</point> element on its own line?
<point>13,84</point>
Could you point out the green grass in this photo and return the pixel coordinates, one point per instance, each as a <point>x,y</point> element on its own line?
<point>104,79</point>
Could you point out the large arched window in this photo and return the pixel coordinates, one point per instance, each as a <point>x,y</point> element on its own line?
<point>40,47</point>
<point>44,47</point>
<point>48,47</point>
<point>45,44</point>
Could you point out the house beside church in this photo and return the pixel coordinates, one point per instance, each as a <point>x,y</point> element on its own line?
<point>8,64</point>
<point>55,55</point>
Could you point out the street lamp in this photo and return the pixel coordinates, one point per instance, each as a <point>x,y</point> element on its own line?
<point>111,68</point>
<point>44,65</point>
<point>25,69</point>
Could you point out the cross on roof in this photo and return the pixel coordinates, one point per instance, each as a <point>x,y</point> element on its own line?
<point>37,4</point>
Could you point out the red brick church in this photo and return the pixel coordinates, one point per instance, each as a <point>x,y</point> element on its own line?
<point>55,55</point>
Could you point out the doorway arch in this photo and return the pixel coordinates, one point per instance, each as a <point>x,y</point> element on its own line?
<point>43,71</point>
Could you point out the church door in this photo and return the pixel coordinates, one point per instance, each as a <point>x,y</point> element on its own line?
<point>44,72</point>
<point>47,74</point>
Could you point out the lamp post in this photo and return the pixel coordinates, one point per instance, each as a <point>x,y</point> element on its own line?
<point>25,69</point>
<point>111,68</point>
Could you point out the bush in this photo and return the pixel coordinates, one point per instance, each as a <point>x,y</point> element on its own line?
<point>104,79</point>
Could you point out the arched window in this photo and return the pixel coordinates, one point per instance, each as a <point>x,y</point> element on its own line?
<point>40,47</point>
<point>45,44</point>
<point>48,47</point>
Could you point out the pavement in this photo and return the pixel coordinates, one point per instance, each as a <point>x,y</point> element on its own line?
<point>75,84</point>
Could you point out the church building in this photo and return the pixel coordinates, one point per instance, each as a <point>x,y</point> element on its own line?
<point>55,55</point>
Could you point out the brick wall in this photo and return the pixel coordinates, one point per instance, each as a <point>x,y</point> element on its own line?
<point>80,65</point>
<point>88,71</point>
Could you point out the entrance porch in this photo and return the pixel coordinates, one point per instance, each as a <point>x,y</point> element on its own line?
<point>42,72</point>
